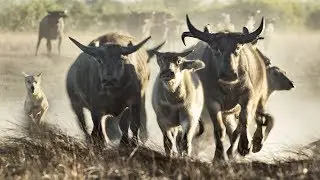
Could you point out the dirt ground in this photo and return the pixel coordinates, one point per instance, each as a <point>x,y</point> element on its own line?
<point>295,111</point>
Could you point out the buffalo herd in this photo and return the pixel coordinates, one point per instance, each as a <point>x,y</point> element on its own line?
<point>224,73</point>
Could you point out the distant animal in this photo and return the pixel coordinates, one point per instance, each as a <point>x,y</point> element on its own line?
<point>112,126</point>
<point>36,104</point>
<point>234,75</point>
<point>51,27</point>
<point>135,22</point>
<point>107,79</point>
<point>177,99</point>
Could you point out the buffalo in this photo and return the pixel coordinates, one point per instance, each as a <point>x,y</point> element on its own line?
<point>106,80</point>
<point>178,100</point>
<point>112,125</point>
<point>234,75</point>
<point>51,27</point>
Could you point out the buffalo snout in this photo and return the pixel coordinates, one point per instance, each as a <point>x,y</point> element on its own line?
<point>109,82</point>
<point>32,89</point>
<point>167,74</point>
<point>229,75</point>
<point>291,85</point>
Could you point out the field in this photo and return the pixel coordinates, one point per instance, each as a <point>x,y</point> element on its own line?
<point>59,153</point>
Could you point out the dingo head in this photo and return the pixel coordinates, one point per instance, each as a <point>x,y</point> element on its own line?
<point>32,83</point>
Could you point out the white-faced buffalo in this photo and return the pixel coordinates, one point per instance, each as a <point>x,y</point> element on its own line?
<point>177,99</point>
<point>51,27</point>
<point>234,75</point>
<point>277,81</point>
<point>106,80</point>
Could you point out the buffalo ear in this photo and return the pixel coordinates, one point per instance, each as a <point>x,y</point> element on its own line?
<point>245,30</point>
<point>205,29</point>
<point>193,65</point>
<point>130,43</point>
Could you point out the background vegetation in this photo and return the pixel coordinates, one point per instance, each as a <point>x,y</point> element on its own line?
<point>17,15</point>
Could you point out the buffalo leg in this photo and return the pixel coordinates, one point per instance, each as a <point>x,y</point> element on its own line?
<point>144,134</point>
<point>49,47</point>
<point>135,123</point>
<point>81,120</point>
<point>189,136</point>
<point>168,143</point>
<point>38,44</point>
<point>97,134</point>
<point>245,118</point>
<point>59,45</point>
<point>233,135</point>
<point>258,137</point>
<point>219,130</point>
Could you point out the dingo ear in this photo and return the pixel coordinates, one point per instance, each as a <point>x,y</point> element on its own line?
<point>39,76</point>
<point>24,74</point>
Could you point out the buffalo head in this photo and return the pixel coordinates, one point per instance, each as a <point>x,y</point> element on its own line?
<point>111,59</point>
<point>228,48</point>
<point>172,65</point>
<point>278,80</point>
<point>58,14</point>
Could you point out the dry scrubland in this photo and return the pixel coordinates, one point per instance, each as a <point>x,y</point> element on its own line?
<point>58,152</point>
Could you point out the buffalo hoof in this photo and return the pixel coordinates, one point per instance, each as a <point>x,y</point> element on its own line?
<point>257,148</point>
<point>220,157</point>
<point>144,136</point>
<point>124,142</point>
<point>134,142</point>
<point>220,161</point>
<point>230,153</point>
<point>244,145</point>
<point>257,145</point>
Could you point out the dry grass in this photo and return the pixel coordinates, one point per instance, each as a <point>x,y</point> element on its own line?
<point>49,154</point>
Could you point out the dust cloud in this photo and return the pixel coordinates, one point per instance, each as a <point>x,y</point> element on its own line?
<point>295,111</point>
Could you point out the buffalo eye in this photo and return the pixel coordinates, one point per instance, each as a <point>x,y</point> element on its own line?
<point>218,52</point>
<point>179,61</point>
<point>237,51</point>
<point>99,61</point>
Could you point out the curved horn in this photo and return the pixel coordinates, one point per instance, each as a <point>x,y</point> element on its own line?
<point>204,36</point>
<point>153,51</point>
<point>87,49</point>
<point>185,53</point>
<point>130,49</point>
<point>248,38</point>
<point>184,35</point>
